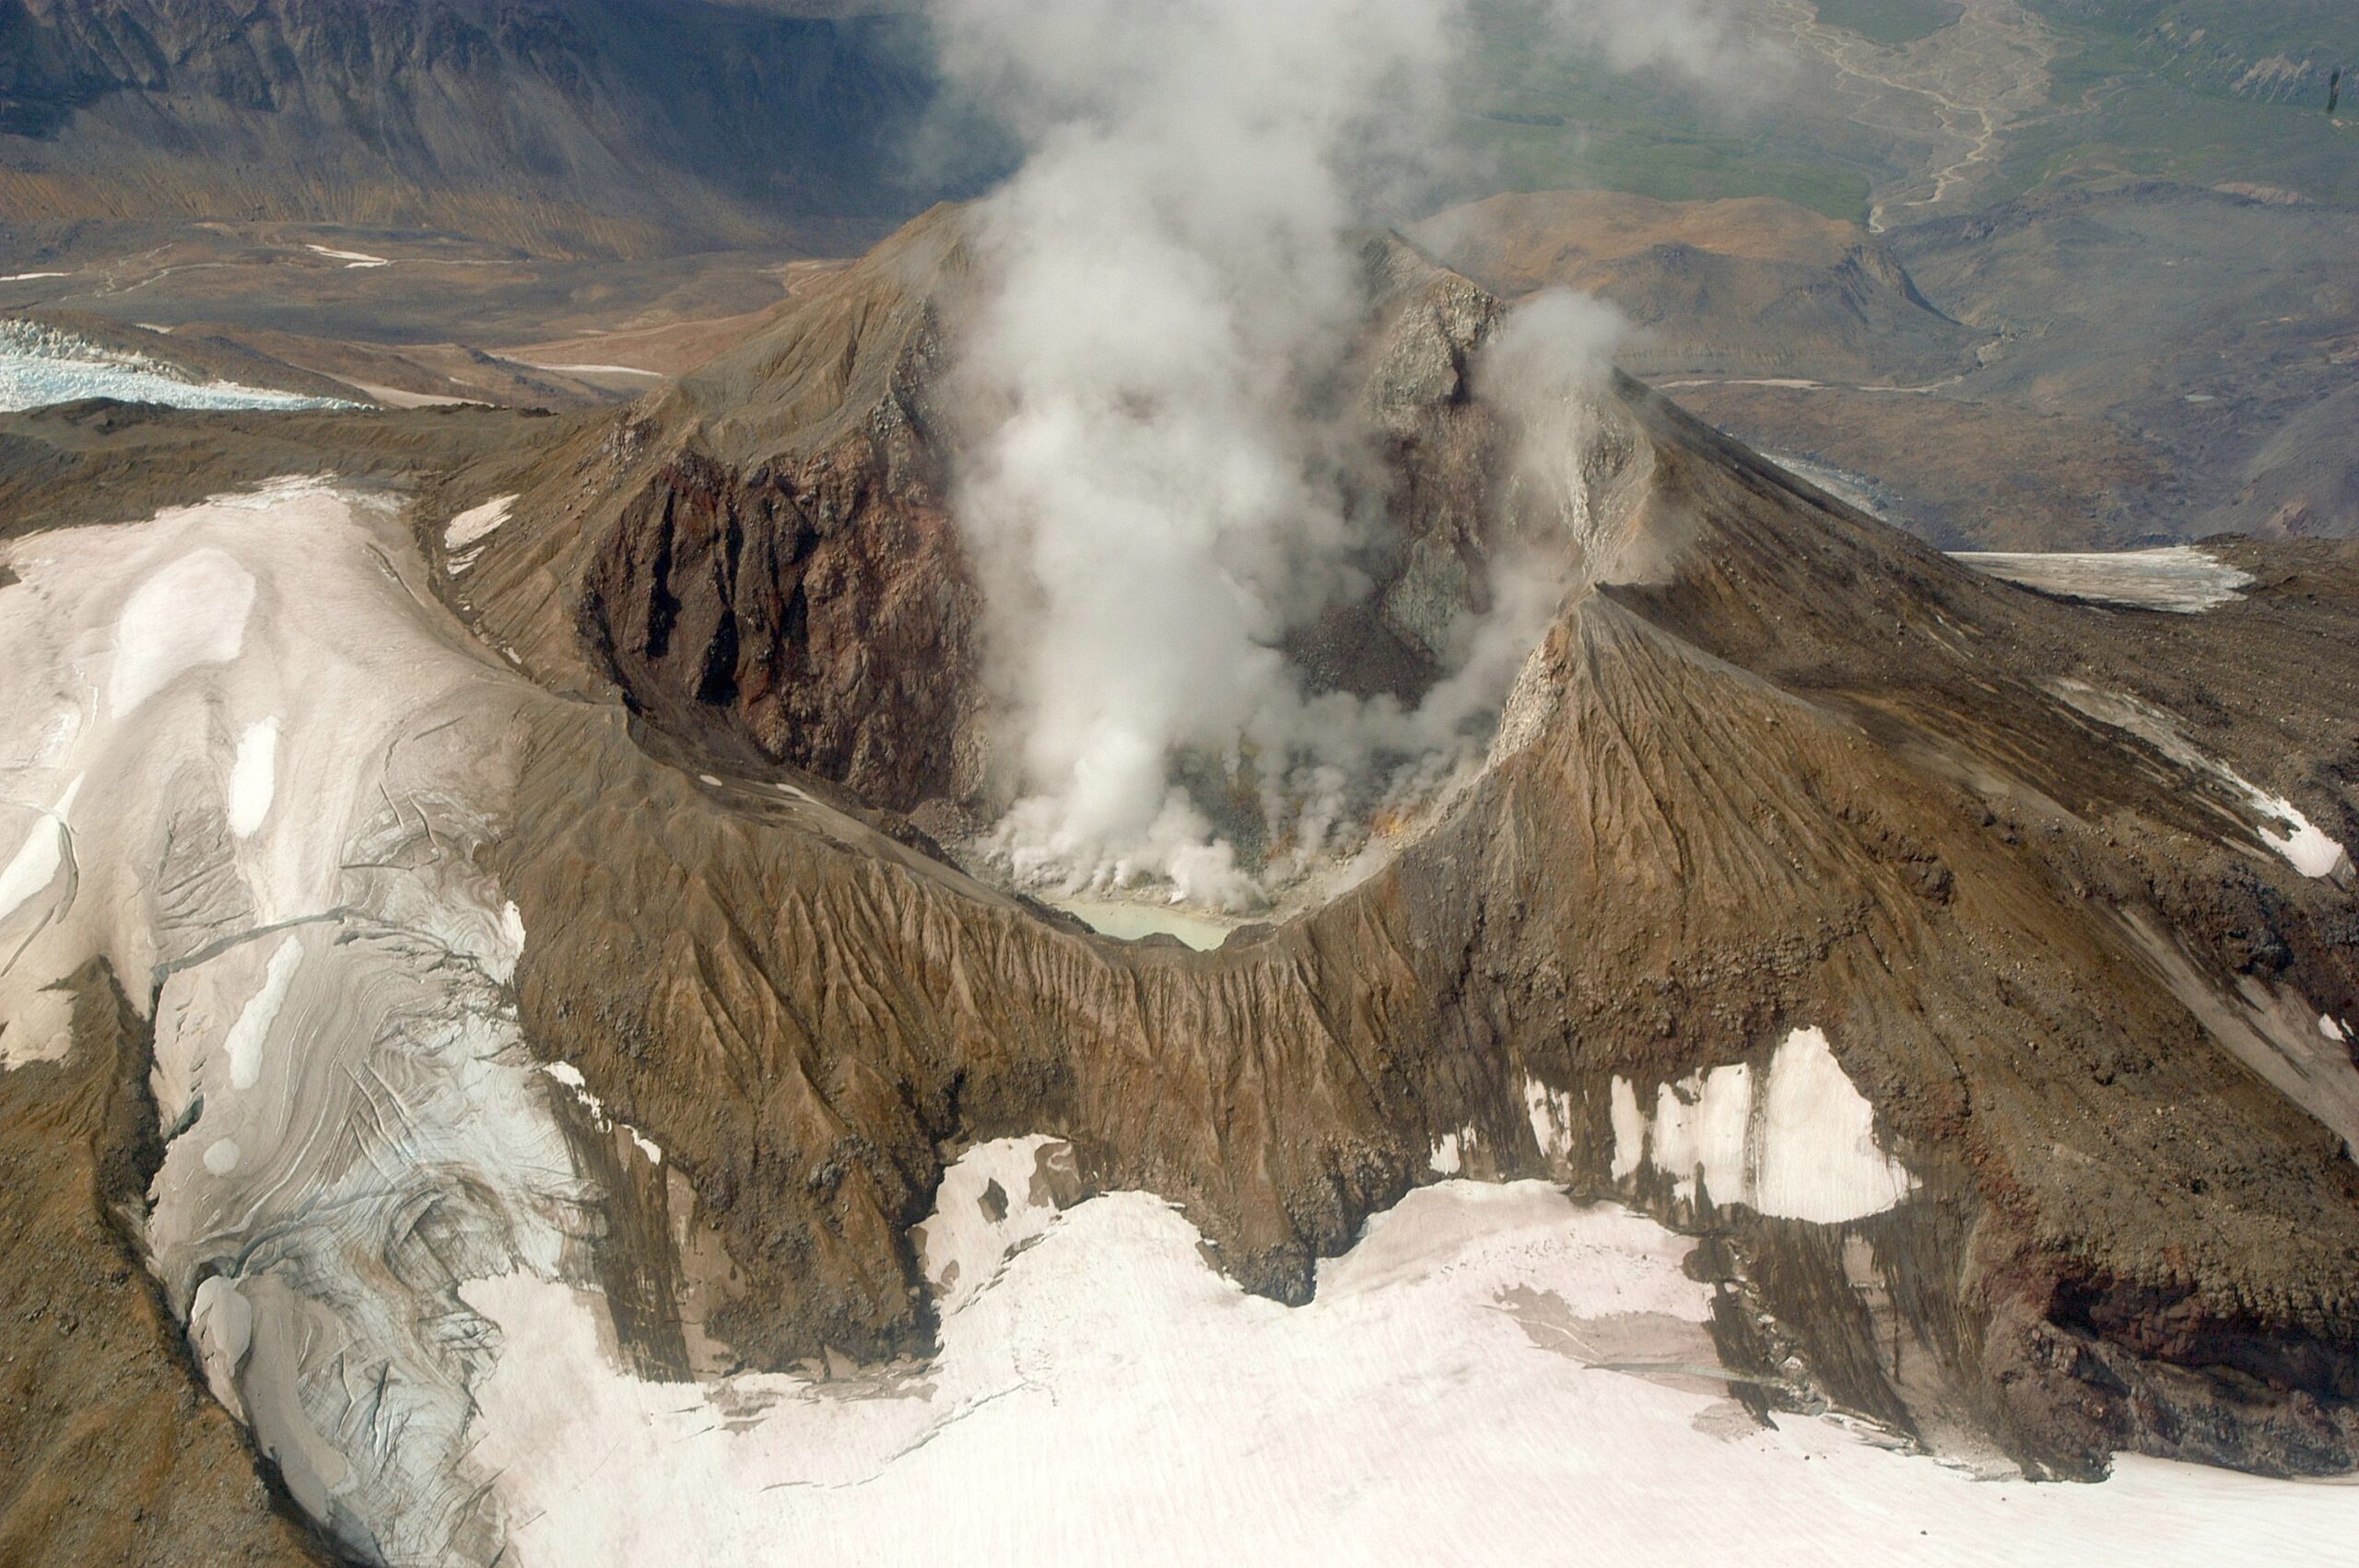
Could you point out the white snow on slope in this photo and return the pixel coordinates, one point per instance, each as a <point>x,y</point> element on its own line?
<point>190,615</point>
<point>1445,1398</point>
<point>242,1046</point>
<point>2182,579</point>
<point>1802,1147</point>
<point>37,860</point>
<point>598,369</point>
<point>253,776</point>
<point>993,1201</point>
<point>2307,849</point>
<point>475,522</point>
<point>353,258</point>
<point>289,771</point>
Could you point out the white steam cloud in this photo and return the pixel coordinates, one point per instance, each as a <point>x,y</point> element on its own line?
<point>1152,475</point>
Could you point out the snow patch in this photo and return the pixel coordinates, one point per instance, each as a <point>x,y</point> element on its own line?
<point>993,1200</point>
<point>220,1330</point>
<point>1802,1147</point>
<point>2307,849</point>
<point>1551,1114</point>
<point>2331,1029</point>
<point>1819,1159</point>
<point>252,777</point>
<point>475,522</point>
<point>352,258</point>
<point>597,369</point>
<point>2182,579</point>
<point>565,1072</point>
<point>1629,1130</point>
<point>190,615</point>
<point>35,864</point>
<point>247,1036</point>
<point>221,1156</point>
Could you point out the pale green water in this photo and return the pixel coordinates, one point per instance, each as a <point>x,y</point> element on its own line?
<point>1130,921</point>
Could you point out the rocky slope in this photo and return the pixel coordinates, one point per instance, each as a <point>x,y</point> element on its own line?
<point>622,126</point>
<point>1746,288</point>
<point>1791,769</point>
<point>1970,973</point>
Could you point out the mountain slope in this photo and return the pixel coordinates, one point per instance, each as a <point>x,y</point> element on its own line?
<point>1795,769</point>
<point>1952,966</point>
<point>615,126</point>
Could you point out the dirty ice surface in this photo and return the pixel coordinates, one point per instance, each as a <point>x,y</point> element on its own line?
<point>2182,579</point>
<point>41,366</point>
<point>1493,1373</point>
<point>244,760</point>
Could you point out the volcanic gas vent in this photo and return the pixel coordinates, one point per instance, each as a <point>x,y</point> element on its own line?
<point>1106,645</point>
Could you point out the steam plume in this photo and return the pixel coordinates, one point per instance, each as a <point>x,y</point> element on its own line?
<point>1152,497</point>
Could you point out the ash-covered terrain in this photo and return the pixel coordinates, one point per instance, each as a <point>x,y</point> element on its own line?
<point>1149,877</point>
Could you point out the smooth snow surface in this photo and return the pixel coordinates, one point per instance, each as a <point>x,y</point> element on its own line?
<point>1629,1130</point>
<point>2307,849</point>
<point>475,522</point>
<point>993,1200</point>
<point>1493,1375</point>
<point>37,861</point>
<point>244,1043</point>
<point>190,615</point>
<point>1799,1146</point>
<point>1551,1115</point>
<point>2182,579</point>
<point>1819,1159</point>
<point>598,369</point>
<point>253,776</point>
